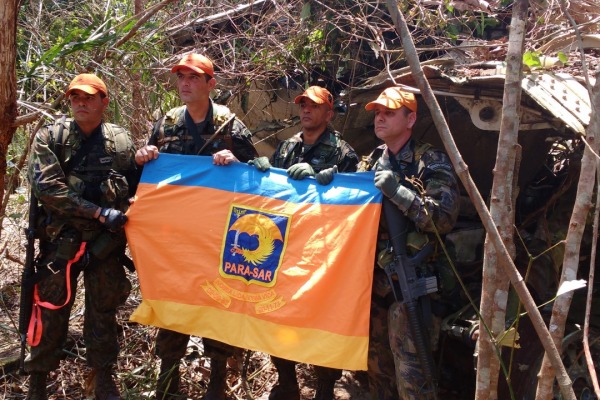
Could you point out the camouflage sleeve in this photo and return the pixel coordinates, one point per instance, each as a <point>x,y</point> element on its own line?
<point>440,201</point>
<point>49,183</point>
<point>275,161</point>
<point>349,160</point>
<point>243,148</point>
<point>133,172</point>
<point>153,140</point>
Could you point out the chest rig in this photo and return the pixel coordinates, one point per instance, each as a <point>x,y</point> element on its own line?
<point>325,153</point>
<point>175,137</point>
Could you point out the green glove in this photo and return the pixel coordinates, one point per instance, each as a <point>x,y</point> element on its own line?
<point>325,176</point>
<point>300,171</point>
<point>261,163</point>
<point>385,180</point>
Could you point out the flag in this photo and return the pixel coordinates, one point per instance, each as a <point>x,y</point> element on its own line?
<point>255,259</point>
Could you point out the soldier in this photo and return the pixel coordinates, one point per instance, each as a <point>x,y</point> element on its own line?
<point>82,171</point>
<point>421,182</point>
<point>200,127</point>
<point>317,151</point>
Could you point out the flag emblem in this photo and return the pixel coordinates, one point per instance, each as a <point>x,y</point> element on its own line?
<point>253,245</point>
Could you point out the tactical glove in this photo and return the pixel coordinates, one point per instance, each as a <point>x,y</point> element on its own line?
<point>385,180</point>
<point>300,171</point>
<point>261,163</point>
<point>325,176</point>
<point>114,220</point>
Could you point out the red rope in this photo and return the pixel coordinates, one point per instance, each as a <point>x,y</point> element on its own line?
<point>34,333</point>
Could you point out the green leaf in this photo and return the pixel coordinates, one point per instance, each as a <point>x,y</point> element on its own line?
<point>129,26</point>
<point>305,13</point>
<point>563,57</point>
<point>532,59</point>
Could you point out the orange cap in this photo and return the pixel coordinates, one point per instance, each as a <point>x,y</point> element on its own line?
<point>394,98</point>
<point>317,94</point>
<point>88,83</point>
<point>197,63</point>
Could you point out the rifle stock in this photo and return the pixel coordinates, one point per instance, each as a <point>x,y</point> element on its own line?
<point>28,278</point>
<point>408,288</point>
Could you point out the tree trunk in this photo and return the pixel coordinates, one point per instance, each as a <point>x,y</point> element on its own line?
<point>593,129</point>
<point>138,122</point>
<point>494,285</point>
<point>8,84</point>
<point>583,204</point>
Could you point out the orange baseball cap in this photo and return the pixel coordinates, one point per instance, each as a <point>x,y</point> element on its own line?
<point>317,94</point>
<point>394,98</point>
<point>197,63</point>
<point>88,83</point>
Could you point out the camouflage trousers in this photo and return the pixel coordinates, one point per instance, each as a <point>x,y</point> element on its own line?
<point>106,287</point>
<point>172,345</point>
<point>394,369</point>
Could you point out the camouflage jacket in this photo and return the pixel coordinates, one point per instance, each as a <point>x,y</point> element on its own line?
<point>171,133</point>
<point>329,150</point>
<point>437,199</point>
<point>78,193</point>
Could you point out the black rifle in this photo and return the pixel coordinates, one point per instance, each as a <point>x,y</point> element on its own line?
<point>408,289</point>
<point>28,278</point>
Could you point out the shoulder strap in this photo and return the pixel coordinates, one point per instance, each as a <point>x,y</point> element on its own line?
<point>169,119</point>
<point>222,115</point>
<point>58,139</point>
<point>217,131</point>
<point>421,149</point>
<point>119,137</point>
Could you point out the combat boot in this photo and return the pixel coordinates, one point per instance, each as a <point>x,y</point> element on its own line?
<point>287,383</point>
<point>106,388</point>
<point>167,386</point>
<point>325,389</point>
<point>217,386</point>
<point>37,386</point>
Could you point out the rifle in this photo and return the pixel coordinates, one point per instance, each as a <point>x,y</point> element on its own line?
<point>28,278</point>
<point>408,288</point>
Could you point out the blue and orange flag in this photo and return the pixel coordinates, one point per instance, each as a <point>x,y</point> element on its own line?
<point>255,259</point>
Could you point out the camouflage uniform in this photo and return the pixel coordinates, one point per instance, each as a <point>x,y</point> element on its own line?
<point>171,135</point>
<point>70,188</point>
<point>327,151</point>
<point>391,347</point>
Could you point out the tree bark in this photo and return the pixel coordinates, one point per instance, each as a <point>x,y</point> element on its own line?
<point>583,204</point>
<point>594,129</point>
<point>138,123</point>
<point>8,84</point>
<point>494,284</point>
<point>463,173</point>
